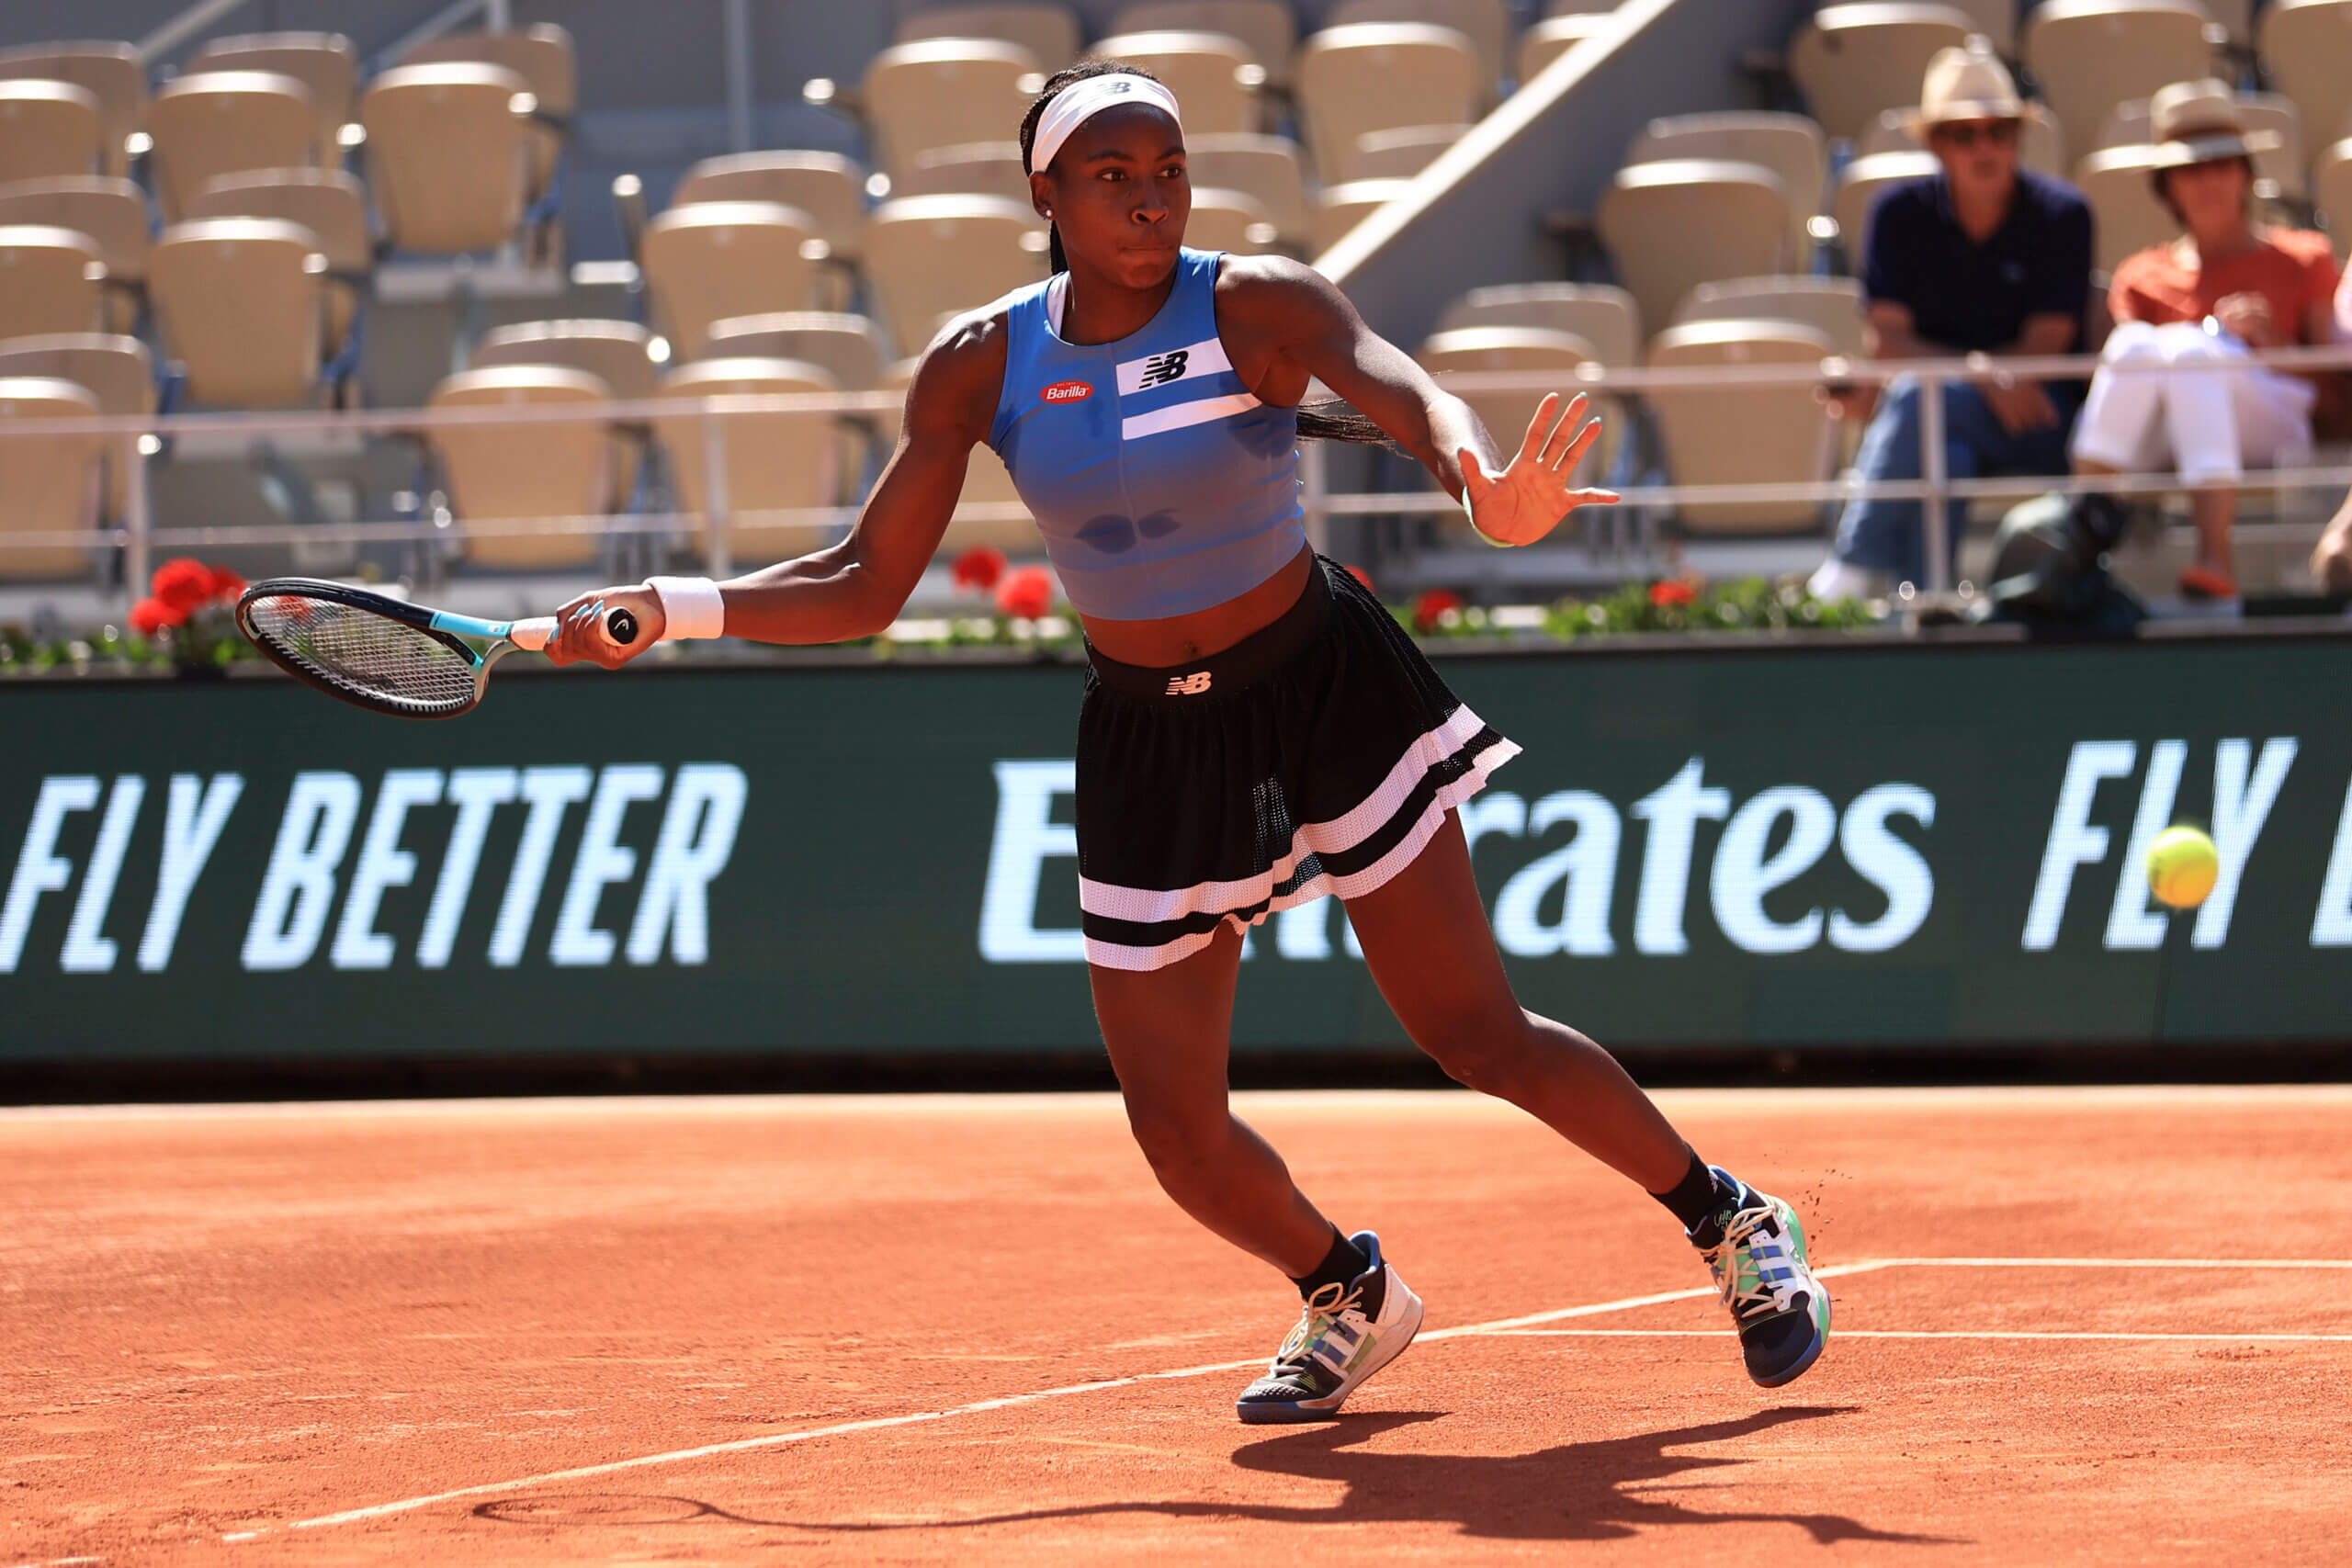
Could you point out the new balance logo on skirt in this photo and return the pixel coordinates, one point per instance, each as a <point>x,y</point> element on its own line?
<point>1190,685</point>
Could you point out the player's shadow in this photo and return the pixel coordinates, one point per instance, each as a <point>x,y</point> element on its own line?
<point>1602,1490</point>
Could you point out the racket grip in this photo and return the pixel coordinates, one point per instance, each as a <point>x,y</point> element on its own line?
<point>535,634</point>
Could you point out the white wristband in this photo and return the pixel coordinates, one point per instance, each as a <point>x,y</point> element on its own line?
<point>691,607</point>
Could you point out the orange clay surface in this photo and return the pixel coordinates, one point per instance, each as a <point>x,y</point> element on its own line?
<point>289,1323</point>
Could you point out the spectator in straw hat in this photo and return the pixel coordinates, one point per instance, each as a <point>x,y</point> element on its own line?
<point>1982,258</point>
<point>2228,286</point>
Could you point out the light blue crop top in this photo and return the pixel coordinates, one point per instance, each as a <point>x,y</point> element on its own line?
<point>1163,486</point>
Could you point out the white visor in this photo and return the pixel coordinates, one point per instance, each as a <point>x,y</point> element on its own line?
<point>1081,101</point>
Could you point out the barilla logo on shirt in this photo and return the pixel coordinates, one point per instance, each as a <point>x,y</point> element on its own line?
<point>1067,393</point>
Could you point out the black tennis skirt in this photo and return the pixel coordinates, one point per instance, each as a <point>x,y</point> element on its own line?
<point>1317,755</point>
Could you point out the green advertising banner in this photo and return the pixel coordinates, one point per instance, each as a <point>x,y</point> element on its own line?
<point>1865,844</point>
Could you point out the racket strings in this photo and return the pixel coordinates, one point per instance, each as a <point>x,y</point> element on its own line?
<point>365,652</point>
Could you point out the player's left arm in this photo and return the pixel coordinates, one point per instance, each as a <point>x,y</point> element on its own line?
<point>1515,496</point>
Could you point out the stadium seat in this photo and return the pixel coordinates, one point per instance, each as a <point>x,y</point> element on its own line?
<point>1742,434</point>
<point>51,280</point>
<point>2332,193</point>
<point>986,483</point>
<point>113,369</point>
<point>1852,63</point>
<point>108,210</point>
<point>543,56</point>
<point>1788,145</point>
<point>1554,36</point>
<point>829,187</point>
<point>2236,18</point>
<point>2127,126</point>
<point>727,258</point>
<point>1213,75</point>
<point>49,130</point>
<point>449,155</point>
<point>1485,23</point>
<point>2307,49</point>
<point>618,354</point>
<point>847,346</point>
<point>1267,168</point>
<point>945,93</point>
<point>52,484</point>
<point>209,123</point>
<point>322,62</point>
<point>930,256</point>
<point>1676,224</point>
<point>2125,214</point>
<point>1229,221</point>
<point>983,168</point>
<point>243,306</point>
<point>1603,315</point>
<point>1861,185</point>
<point>2090,55</point>
<point>108,71</point>
<point>1830,305</point>
<point>1379,75</point>
<point>775,461</point>
<point>1267,28</point>
<point>1996,20</point>
<point>2041,146</point>
<point>1341,206</point>
<point>511,472</point>
<point>1049,32</point>
<point>1401,153</point>
<point>1445,354</point>
<point>328,203</point>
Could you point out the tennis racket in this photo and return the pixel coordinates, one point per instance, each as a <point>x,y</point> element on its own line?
<point>385,654</point>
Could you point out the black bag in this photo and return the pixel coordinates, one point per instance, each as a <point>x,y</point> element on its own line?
<point>2051,570</point>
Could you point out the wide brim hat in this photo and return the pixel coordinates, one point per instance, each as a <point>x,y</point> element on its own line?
<point>1965,84</point>
<point>2200,122</point>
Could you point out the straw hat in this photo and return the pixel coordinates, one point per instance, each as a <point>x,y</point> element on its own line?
<point>1968,83</point>
<point>2198,122</point>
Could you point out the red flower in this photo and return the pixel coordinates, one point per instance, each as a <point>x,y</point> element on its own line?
<point>152,616</point>
<point>1363,577</point>
<point>979,568</point>
<point>1671,593</point>
<point>1026,592</point>
<point>183,585</point>
<point>1432,607</point>
<point>226,585</point>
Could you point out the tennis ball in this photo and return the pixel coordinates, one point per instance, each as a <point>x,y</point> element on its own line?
<point>2182,864</point>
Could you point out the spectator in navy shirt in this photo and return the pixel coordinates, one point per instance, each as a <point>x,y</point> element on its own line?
<point>1983,259</point>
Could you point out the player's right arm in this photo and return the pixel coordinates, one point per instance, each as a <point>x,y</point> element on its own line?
<point>857,587</point>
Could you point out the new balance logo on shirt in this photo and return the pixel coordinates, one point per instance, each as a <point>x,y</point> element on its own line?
<point>1163,368</point>
<point>1190,685</point>
<point>1192,363</point>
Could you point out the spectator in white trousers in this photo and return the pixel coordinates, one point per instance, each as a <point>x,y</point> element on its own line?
<point>2226,287</point>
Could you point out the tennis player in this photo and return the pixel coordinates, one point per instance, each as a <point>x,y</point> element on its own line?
<point>1256,731</point>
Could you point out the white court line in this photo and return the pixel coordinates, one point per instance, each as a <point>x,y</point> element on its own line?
<point>1926,1333</point>
<point>1498,1326</point>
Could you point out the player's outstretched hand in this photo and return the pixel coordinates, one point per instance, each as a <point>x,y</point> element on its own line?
<point>580,626</point>
<point>1529,498</point>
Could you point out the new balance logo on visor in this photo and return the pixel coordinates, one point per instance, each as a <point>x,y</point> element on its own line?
<point>1163,368</point>
<point>1190,685</point>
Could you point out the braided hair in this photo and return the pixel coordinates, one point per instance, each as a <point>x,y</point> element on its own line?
<point>1332,419</point>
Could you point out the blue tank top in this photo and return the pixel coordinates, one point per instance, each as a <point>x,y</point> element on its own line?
<point>1163,486</point>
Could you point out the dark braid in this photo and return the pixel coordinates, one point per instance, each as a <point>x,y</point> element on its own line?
<point>1332,419</point>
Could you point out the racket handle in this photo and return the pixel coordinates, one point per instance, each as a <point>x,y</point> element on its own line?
<point>535,634</point>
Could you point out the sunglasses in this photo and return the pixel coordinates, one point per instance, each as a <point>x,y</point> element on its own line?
<point>1967,133</point>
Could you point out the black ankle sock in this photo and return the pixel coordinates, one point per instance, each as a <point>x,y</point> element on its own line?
<point>1696,1196</point>
<point>1342,1264</point>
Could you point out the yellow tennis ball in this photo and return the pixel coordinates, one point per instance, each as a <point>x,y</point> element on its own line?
<point>2182,864</point>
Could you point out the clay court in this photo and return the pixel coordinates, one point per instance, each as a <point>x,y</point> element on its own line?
<point>2099,1326</point>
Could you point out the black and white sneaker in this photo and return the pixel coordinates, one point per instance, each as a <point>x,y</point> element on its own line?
<point>1345,1333</point>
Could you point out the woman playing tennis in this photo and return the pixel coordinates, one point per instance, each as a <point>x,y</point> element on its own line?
<point>1256,730</point>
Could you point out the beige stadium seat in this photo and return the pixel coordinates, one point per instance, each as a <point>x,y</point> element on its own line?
<point>242,305</point>
<point>2307,49</point>
<point>828,187</point>
<point>449,155</point>
<point>1602,314</point>
<point>112,368</point>
<point>929,256</point>
<point>1996,20</point>
<point>983,168</point>
<point>1341,206</point>
<point>110,210</point>
<point>1049,32</point>
<point>1830,305</point>
<point>322,62</point>
<point>2125,214</point>
<point>1532,349</point>
<point>1861,185</point>
<point>514,472</point>
<point>51,280</point>
<point>727,258</point>
<point>2236,18</point>
<point>1742,434</point>
<point>49,130</point>
<point>1554,36</point>
<point>52,484</point>
<point>2090,55</point>
<point>1854,61</point>
<point>1266,168</point>
<point>945,93</point>
<point>2041,146</point>
<point>2332,193</point>
<point>775,461</point>
<point>848,346</point>
<point>209,123</point>
<point>328,203</point>
<point>2127,126</point>
<point>617,352</point>
<point>1401,153</point>
<point>1789,145</point>
<point>1485,23</point>
<point>108,71</point>
<point>986,483</point>
<point>1679,223</point>
<point>1379,75</point>
<point>1229,221</point>
<point>1267,28</point>
<point>543,56</point>
<point>1214,76</point>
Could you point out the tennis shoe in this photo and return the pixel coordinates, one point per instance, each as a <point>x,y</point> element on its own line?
<point>1345,1333</point>
<point>1755,1246</point>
